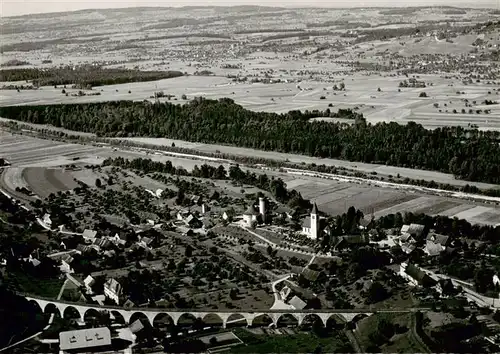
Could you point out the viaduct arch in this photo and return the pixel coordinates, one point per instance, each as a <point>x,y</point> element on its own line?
<point>126,315</point>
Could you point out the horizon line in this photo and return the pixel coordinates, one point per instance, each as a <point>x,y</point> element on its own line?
<point>458,6</point>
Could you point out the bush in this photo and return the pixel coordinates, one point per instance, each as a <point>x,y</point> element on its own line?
<point>423,94</point>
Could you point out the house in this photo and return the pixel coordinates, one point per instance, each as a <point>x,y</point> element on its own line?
<point>113,290</point>
<point>250,216</point>
<point>128,304</point>
<point>102,242</point>
<point>408,247</point>
<point>415,230</point>
<point>35,262</point>
<point>181,215</point>
<point>83,339</point>
<point>297,303</point>
<point>65,265</point>
<point>310,225</point>
<point>136,326</point>
<point>109,253</point>
<point>225,216</point>
<point>284,212</point>
<point>496,280</point>
<point>438,239</point>
<point>406,238</point>
<point>193,222</point>
<point>89,235</point>
<point>350,241</point>
<point>415,275</point>
<point>433,249</point>
<point>207,223</point>
<point>46,220</point>
<point>196,199</point>
<point>204,208</point>
<point>285,293</point>
<point>88,282</point>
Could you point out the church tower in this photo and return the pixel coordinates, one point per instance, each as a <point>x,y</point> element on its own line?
<point>314,222</point>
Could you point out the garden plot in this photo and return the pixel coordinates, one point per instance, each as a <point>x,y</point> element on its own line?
<point>414,204</point>
<point>437,208</point>
<point>474,213</point>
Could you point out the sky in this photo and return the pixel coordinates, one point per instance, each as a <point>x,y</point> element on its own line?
<point>22,7</point>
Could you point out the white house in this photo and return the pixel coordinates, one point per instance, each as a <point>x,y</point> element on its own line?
<point>113,290</point>
<point>250,215</point>
<point>285,292</point>
<point>89,235</point>
<point>496,280</point>
<point>46,220</point>
<point>88,282</point>
<point>310,225</point>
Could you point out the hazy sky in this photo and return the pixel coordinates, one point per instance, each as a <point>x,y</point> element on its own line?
<point>21,7</point>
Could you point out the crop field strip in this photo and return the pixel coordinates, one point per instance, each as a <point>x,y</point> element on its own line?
<point>332,196</point>
<point>437,208</point>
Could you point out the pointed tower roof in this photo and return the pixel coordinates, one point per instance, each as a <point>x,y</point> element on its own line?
<point>314,209</point>
<point>251,211</point>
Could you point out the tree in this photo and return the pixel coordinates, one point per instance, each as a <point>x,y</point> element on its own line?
<point>213,341</point>
<point>376,293</point>
<point>189,251</point>
<point>422,94</point>
<point>98,183</point>
<point>233,293</point>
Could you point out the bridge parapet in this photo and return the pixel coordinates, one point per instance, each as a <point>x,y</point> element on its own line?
<point>224,315</point>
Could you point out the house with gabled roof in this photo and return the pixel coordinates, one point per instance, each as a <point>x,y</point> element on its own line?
<point>415,275</point>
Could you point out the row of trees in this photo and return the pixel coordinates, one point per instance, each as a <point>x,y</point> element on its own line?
<point>467,154</point>
<point>276,186</point>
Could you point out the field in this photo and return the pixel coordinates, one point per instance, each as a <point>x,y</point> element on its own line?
<point>362,92</point>
<point>28,154</point>
<point>403,342</point>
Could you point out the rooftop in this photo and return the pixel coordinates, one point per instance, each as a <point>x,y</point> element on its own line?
<point>84,338</point>
<point>251,211</point>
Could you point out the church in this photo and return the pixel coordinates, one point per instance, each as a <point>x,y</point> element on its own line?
<point>311,225</point>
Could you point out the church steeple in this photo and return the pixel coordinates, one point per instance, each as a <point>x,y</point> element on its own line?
<point>314,222</point>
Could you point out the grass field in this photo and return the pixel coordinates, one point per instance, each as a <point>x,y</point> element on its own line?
<point>290,343</point>
<point>27,284</point>
<point>403,342</point>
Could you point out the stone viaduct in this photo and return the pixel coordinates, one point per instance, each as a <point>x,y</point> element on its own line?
<point>129,315</point>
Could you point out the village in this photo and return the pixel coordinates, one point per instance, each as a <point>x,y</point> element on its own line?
<point>220,243</point>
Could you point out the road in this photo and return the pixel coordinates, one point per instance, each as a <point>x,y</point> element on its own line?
<point>470,294</point>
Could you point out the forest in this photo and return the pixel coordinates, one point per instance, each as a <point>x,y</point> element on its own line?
<point>468,154</point>
<point>83,76</point>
